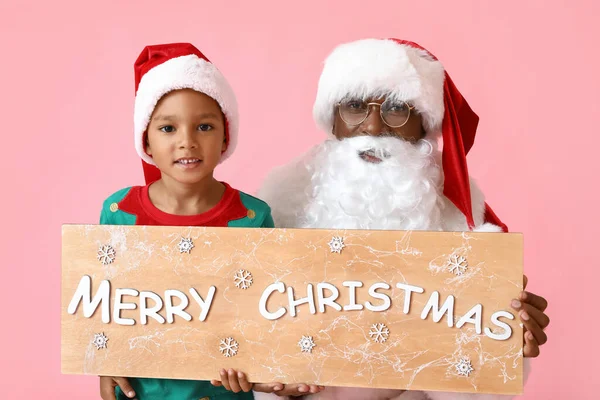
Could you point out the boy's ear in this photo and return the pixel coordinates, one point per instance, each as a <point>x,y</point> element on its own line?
<point>147,144</point>
<point>224,146</point>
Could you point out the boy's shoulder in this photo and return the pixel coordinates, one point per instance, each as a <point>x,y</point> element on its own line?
<point>258,212</point>
<point>111,212</point>
<point>118,196</point>
<point>254,203</point>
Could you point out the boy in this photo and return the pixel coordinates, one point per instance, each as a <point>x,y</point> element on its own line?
<point>185,123</point>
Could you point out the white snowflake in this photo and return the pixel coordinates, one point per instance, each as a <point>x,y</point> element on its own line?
<point>242,279</point>
<point>463,367</point>
<point>306,344</point>
<point>457,264</point>
<point>99,341</point>
<point>185,245</point>
<point>106,254</point>
<point>229,347</point>
<point>379,333</point>
<point>336,244</point>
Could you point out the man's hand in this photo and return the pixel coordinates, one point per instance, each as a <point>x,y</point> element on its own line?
<point>531,309</point>
<point>237,382</point>
<point>108,385</point>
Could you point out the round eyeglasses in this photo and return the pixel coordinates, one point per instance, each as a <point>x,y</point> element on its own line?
<point>394,113</point>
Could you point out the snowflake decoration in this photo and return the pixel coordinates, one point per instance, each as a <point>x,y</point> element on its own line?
<point>229,347</point>
<point>336,244</point>
<point>379,333</point>
<point>106,254</point>
<point>185,245</point>
<point>306,344</point>
<point>463,367</point>
<point>457,264</point>
<point>242,279</point>
<point>99,341</point>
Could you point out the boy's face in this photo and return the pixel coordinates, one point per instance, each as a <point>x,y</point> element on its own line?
<point>186,135</point>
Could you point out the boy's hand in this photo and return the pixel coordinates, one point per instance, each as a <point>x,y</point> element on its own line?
<point>531,309</point>
<point>108,385</point>
<point>236,382</point>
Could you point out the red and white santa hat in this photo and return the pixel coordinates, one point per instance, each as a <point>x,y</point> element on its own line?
<point>160,69</point>
<point>408,72</point>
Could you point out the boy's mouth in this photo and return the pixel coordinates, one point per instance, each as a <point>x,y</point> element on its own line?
<point>188,161</point>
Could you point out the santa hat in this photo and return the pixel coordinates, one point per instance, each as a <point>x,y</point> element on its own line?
<point>408,72</point>
<point>163,68</point>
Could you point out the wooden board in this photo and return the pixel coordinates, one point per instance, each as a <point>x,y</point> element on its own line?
<point>418,353</point>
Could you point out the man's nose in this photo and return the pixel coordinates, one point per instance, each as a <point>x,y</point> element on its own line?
<point>373,125</point>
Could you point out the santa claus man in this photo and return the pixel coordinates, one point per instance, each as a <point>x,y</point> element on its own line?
<point>385,105</point>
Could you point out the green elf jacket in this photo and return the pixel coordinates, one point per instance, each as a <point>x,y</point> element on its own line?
<point>132,206</point>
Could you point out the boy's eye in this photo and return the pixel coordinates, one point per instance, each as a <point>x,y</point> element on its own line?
<point>168,129</point>
<point>204,127</point>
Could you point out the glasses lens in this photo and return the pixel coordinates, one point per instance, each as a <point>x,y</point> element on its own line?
<point>395,113</point>
<point>353,111</point>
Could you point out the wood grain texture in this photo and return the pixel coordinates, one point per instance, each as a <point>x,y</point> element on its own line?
<point>418,354</point>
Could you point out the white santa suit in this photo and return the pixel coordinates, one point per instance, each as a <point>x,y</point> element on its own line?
<point>331,187</point>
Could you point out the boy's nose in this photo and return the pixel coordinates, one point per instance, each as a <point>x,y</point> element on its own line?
<point>188,139</point>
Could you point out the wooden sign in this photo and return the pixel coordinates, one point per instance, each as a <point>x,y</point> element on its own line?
<point>382,309</point>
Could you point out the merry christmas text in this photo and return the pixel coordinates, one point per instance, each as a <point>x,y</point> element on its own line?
<point>316,299</point>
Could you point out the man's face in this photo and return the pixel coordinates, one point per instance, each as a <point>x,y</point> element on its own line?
<point>349,112</point>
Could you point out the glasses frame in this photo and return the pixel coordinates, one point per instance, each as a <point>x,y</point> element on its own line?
<point>410,108</point>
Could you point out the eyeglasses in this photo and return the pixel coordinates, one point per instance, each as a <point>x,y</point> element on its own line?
<point>394,114</point>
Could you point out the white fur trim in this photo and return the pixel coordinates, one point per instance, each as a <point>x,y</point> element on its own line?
<point>186,72</point>
<point>487,227</point>
<point>372,67</point>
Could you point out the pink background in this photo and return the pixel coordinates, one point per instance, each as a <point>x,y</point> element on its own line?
<point>529,68</point>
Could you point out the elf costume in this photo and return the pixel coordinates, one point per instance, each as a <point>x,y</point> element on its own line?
<point>159,70</point>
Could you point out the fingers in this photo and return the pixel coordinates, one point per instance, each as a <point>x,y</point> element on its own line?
<point>533,328</point>
<point>126,388</point>
<point>537,301</point>
<point>107,388</point>
<point>268,387</point>
<point>528,311</point>
<point>224,379</point>
<point>315,388</point>
<point>298,389</point>
<point>534,321</point>
<point>525,280</point>
<point>234,381</point>
<point>293,389</point>
<point>216,383</point>
<point>244,384</point>
<point>531,348</point>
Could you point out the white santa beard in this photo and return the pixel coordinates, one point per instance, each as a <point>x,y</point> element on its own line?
<point>400,193</point>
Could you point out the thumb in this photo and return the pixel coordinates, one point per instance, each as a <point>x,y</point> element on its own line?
<point>125,386</point>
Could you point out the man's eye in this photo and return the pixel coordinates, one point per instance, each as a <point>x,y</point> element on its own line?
<point>398,107</point>
<point>355,104</point>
